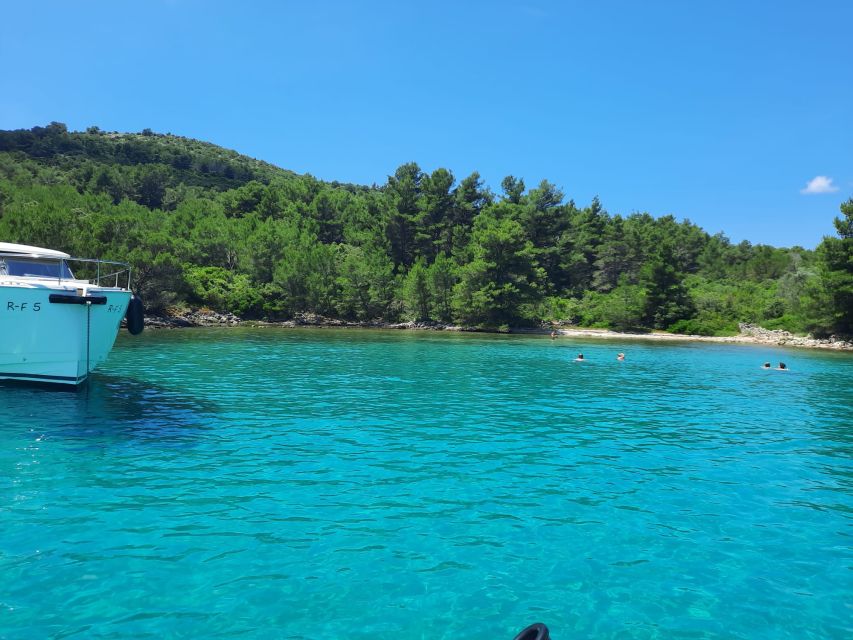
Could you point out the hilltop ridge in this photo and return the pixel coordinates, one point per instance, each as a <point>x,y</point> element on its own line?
<point>206,226</point>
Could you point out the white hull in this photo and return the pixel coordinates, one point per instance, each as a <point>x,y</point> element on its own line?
<point>59,341</point>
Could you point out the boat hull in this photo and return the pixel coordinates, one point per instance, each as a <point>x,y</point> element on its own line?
<point>57,334</point>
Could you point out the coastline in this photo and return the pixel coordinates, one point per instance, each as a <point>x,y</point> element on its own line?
<point>750,334</point>
<point>764,337</point>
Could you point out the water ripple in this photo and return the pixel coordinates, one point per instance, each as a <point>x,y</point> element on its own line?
<point>330,484</point>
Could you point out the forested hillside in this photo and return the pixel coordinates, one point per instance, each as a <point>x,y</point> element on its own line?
<point>205,226</point>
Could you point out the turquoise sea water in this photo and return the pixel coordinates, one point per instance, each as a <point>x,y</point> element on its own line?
<point>324,484</point>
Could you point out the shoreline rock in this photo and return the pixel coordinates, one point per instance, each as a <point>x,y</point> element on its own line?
<point>193,318</point>
<point>786,338</point>
<point>749,333</point>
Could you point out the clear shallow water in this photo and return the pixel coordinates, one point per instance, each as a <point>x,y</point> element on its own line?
<point>355,484</point>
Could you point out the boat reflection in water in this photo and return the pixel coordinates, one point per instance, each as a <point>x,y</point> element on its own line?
<point>107,410</point>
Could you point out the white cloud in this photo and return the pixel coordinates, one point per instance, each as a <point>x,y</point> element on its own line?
<point>819,184</point>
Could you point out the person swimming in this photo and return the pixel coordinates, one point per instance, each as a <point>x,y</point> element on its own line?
<point>782,367</point>
<point>579,358</point>
<point>620,357</point>
<point>766,365</point>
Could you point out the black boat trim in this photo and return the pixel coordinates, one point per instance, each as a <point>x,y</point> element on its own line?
<point>58,298</point>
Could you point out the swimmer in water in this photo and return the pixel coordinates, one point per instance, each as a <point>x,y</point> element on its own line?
<point>579,358</point>
<point>620,357</point>
<point>766,365</point>
<point>782,366</point>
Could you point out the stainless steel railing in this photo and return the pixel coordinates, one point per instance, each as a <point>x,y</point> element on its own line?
<point>123,273</point>
<point>101,273</point>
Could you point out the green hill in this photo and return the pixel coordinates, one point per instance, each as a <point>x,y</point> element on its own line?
<point>206,226</point>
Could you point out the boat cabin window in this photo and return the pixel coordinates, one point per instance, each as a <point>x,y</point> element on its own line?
<point>34,268</point>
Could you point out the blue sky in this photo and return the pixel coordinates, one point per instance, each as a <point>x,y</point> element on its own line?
<point>720,112</point>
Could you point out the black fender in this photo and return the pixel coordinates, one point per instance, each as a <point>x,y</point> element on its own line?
<point>536,631</point>
<point>135,315</point>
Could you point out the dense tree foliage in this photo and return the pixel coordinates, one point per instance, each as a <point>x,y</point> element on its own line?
<point>205,226</point>
<point>831,293</point>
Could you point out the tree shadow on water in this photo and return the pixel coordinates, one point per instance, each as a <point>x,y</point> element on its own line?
<point>106,406</point>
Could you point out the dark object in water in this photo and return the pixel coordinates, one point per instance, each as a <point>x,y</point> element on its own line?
<point>536,631</point>
<point>135,316</point>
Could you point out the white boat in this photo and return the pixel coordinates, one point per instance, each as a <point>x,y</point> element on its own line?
<point>55,327</point>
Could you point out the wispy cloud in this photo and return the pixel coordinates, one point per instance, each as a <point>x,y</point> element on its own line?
<point>819,184</point>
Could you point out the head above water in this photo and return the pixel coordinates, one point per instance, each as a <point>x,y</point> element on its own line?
<point>766,365</point>
<point>782,365</point>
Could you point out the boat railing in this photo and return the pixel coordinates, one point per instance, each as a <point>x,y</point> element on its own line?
<point>102,273</point>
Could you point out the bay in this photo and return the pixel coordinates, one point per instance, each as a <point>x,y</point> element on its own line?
<point>318,483</point>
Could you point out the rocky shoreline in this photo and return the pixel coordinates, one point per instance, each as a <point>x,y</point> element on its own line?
<point>749,333</point>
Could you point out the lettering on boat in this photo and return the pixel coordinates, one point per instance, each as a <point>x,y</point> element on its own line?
<point>22,306</point>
